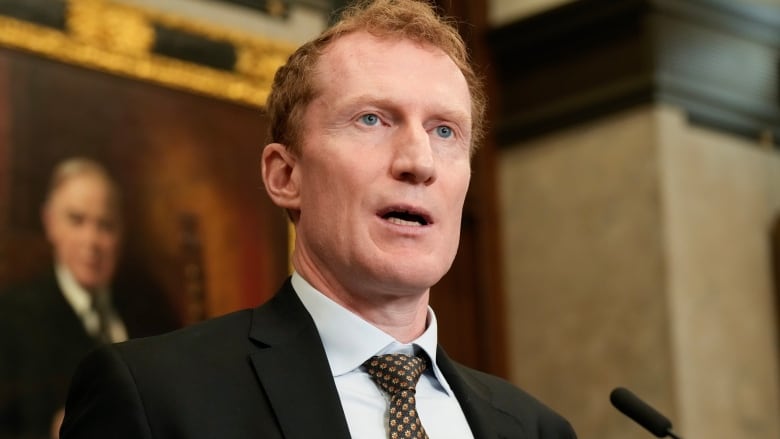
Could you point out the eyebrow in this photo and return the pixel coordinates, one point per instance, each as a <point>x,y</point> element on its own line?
<point>368,99</point>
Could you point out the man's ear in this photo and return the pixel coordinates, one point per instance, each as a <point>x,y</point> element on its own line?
<point>280,176</point>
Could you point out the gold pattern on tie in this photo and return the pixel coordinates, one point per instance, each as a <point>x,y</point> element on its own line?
<point>397,375</point>
<point>103,334</point>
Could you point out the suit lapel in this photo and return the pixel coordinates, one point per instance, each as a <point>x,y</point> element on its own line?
<point>293,370</point>
<point>472,396</point>
<point>62,316</point>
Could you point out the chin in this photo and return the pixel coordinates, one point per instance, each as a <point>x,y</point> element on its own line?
<point>415,279</point>
<point>90,282</point>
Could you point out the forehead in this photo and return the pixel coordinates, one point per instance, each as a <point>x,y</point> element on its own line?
<point>84,191</point>
<point>360,62</point>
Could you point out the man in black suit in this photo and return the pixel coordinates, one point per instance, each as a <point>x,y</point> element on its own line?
<point>48,324</point>
<point>372,129</point>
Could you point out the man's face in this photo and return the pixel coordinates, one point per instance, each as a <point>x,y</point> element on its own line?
<point>82,226</point>
<point>384,167</point>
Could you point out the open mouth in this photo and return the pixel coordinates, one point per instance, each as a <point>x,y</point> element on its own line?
<point>405,217</point>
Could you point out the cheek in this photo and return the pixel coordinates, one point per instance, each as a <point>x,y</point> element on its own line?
<point>459,187</point>
<point>332,186</point>
<point>57,233</point>
<point>65,244</point>
<point>110,245</point>
<point>457,197</point>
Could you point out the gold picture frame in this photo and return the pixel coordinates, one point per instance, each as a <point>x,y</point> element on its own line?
<point>118,39</point>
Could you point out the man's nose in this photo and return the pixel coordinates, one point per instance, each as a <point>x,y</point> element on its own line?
<point>91,234</point>
<point>413,159</point>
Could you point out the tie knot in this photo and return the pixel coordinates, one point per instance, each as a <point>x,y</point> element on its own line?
<point>396,372</point>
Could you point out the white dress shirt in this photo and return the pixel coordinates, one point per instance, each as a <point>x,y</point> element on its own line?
<point>349,341</point>
<point>81,302</point>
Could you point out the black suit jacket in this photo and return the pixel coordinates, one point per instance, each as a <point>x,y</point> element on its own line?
<point>42,340</point>
<point>258,374</point>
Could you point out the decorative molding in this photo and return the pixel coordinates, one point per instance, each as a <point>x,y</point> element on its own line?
<point>149,46</point>
<point>274,8</point>
<point>719,60</point>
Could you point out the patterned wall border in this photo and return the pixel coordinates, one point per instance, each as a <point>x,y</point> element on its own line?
<point>150,46</point>
<point>719,60</point>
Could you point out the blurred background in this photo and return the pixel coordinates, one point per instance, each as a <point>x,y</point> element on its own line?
<point>622,227</point>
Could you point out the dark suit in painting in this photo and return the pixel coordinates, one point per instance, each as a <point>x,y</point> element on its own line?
<point>42,340</point>
<point>259,374</point>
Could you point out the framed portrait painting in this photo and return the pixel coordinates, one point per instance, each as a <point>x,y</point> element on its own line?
<point>174,111</point>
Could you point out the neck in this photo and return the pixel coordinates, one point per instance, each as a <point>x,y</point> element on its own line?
<point>403,318</point>
<point>400,313</point>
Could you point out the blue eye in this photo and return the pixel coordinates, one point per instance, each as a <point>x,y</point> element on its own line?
<point>444,131</point>
<point>370,119</point>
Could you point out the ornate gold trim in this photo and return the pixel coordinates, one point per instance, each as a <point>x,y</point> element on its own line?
<point>115,38</point>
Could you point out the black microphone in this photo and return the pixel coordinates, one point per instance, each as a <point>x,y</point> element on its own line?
<point>644,415</point>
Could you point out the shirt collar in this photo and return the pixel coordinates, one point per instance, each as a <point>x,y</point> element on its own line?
<point>349,340</point>
<point>78,297</point>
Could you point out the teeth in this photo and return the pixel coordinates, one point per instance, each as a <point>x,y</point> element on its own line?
<point>402,222</point>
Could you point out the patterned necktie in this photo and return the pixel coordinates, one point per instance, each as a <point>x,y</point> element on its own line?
<point>397,375</point>
<point>100,311</point>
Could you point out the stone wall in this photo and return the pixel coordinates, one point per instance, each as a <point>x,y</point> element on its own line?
<point>636,254</point>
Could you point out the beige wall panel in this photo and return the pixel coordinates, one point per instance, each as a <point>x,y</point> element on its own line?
<point>721,195</point>
<point>637,254</point>
<point>584,270</point>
